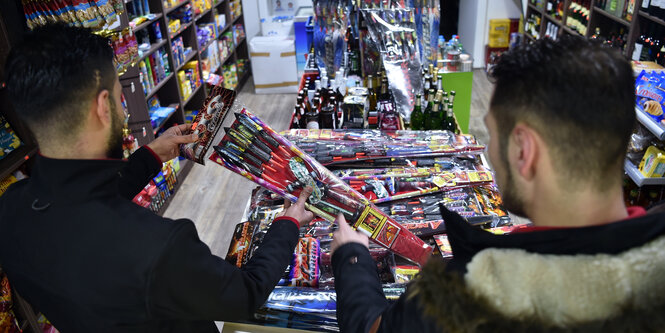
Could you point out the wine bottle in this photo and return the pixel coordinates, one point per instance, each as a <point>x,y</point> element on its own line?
<point>428,109</point>
<point>417,115</point>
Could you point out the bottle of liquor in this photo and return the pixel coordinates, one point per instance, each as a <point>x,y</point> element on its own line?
<point>438,116</point>
<point>451,123</point>
<point>428,109</point>
<point>371,93</point>
<point>417,115</point>
<point>296,118</point>
<point>327,114</point>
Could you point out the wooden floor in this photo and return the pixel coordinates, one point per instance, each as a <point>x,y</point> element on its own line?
<point>215,198</point>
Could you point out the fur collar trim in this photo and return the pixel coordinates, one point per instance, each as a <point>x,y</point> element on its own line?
<point>513,290</point>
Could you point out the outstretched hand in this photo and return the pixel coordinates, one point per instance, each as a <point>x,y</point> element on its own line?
<point>345,234</point>
<point>297,210</point>
<point>167,145</point>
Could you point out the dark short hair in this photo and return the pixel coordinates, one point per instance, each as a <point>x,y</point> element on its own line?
<point>578,95</point>
<point>52,75</point>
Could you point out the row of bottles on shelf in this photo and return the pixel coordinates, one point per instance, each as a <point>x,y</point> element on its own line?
<point>579,12</point>
<point>654,8</point>
<point>153,69</point>
<point>555,8</point>
<point>650,46</point>
<point>532,25</point>
<point>616,39</point>
<point>620,8</point>
<point>438,114</point>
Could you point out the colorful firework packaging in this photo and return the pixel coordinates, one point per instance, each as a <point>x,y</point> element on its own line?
<point>208,123</point>
<point>253,150</point>
<point>343,146</point>
<point>305,267</point>
<point>241,243</point>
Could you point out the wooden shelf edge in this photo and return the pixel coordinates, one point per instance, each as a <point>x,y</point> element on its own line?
<point>610,16</point>
<point>532,6</point>
<point>152,49</point>
<point>175,107</point>
<point>205,47</point>
<point>187,59</point>
<point>158,86</point>
<point>189,99</point>
<point>652,18</point>
<point>15,159</point>
<point>198,17</point>
<point>170,9</point>
<point>181,30</point>
<point>147,23</point>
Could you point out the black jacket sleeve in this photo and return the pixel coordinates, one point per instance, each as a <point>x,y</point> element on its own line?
<point>360,298</point>
<point>137,172</point>
<point>188,282</point>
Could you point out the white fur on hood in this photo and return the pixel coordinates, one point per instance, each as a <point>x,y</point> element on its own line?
<point>568,289</point>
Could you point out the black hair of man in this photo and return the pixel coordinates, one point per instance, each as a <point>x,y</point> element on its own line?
<point>54,74</point>
<point>578,95</point>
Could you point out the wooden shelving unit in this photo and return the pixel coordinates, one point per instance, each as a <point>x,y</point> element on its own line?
<point>597,18</point>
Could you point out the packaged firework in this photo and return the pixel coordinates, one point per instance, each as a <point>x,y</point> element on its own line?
<point>241,243</point>
<point>404,273</point>
<point>444,246</point>
<point>253,150</point>
<point>305,267</point>
<point>398,184</point>
<point>208,122</point>
<point>342,146</point>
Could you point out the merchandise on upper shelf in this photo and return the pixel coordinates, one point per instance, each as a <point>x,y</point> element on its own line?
<point>220,21</point>
<point>189,79</point>
<point>190,115</point>
<point>95,14</point>
<point>180,52</point>
<point>9,141</point>
<point>153,69</point>
<point>579,12</point>
<point>201,6</point>
<point>149,38</point>
<point>125,47</point>
<point>236,9</point>
<point>205,33</point>
<point>138,10</point>
<point>210,60</point>
<point>650,45</point>
<point>179,17</point>
<point>624,9</point>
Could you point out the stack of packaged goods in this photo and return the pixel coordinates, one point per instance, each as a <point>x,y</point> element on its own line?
<point>153,69</point>
<point>9,141</point>
<point>160,188</point>
<point>220,21</point>
<point>236,9</point>
<point>158,114</point>
<point>180,52</point>
<point>205,34</point>
<point>200,6</point>
<point>230,75</point>
<point>238,33</point>
<point>189,78</point>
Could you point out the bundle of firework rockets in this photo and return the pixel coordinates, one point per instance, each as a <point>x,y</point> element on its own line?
<point>335,147</point>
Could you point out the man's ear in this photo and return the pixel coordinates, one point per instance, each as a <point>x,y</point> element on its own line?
<point>524,150</point>
<point>102,107</point>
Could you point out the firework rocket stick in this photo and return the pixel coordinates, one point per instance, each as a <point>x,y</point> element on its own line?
<point>270,186</point>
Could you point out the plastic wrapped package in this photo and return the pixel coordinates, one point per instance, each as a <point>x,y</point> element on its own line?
<point>394,33</point>
<point>253,150</point>
<point>342,146</point>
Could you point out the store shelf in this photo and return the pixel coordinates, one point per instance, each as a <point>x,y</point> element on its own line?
<point>198,17</point>
<point>610,16</point>
<point>153,48</point>
<point>532,6</point>
<point>15,159</point>
<point>193,94</point>
<point>187,59</point>
<point>529,37</point>
<point>175,107</point>
<point>571,31</point>
<point>147,23</point>
<point>219,3</point>
<point>648,122</point>
<point>240,42</point>
<point>182,28</point>
<point>652,18</point>
<point>553,20</point>
<point>185,168</point>
<point>638,177</point>
<point>170,9</point>
<point>228,56</point>
<point>158,86</point>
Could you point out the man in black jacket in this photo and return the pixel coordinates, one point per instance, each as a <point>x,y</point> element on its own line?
<point>560,119</point>
<point>73,243</point>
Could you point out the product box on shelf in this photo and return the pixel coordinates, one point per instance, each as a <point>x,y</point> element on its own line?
<point>9,141</point>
